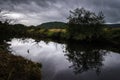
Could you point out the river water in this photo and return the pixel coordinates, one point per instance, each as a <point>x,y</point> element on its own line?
<point>69,61</point>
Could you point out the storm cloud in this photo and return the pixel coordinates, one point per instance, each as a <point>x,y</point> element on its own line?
<point>34,12</point>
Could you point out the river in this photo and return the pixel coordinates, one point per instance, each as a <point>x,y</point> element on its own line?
<point>69,61</point>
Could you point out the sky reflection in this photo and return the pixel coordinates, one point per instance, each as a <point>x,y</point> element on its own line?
<point>56,64</point>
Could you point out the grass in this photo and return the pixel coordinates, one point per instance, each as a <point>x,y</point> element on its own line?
<point>57,30</point>
<point>17,68</point>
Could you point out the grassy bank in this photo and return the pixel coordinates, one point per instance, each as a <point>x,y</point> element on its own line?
<point>17,68</point>
<point>47,33</point>
<point>111,35</point>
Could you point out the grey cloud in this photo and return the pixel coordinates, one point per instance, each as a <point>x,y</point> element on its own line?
<point>39,11</point>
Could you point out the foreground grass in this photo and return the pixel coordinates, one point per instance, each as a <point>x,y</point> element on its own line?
<point>17,68</point>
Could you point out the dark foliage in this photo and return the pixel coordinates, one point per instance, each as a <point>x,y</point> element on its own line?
<point>85,25</point>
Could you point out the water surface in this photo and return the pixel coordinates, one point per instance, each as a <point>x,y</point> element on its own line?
<point>69,61</point>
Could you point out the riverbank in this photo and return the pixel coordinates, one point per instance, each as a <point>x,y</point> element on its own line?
<point>109,35</point>
<point>17,68</point>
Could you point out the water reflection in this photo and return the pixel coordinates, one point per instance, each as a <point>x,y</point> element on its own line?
<point>85,59</point>
<point>64,61</point>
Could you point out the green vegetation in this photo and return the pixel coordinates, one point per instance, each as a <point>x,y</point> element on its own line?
<point>47,33</point>
<point>85,25</point>
<point>8,31</point>
<point>112,35</point>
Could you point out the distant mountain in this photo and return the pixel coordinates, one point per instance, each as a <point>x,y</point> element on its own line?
<point>61,25</point>
<point>53,25</point>
<point>114,25</point>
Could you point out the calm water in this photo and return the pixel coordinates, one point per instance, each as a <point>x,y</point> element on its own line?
<point>70,61</point>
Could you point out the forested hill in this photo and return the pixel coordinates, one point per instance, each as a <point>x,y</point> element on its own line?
<point>61,25</point>
<point>114,25</point>
<point>53,25</point>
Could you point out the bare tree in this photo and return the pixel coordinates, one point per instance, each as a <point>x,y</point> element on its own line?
<point>5,19</point>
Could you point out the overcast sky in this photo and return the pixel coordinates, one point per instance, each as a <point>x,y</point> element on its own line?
<point>34,12</point>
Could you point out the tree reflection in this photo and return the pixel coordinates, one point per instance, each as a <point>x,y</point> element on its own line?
<point>85,57</point>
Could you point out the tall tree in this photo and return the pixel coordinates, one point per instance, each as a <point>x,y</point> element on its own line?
<point>84,24</point>
<point>82,16</point>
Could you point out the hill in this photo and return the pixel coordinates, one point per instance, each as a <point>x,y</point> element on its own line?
<point>55,25</point>
<point>114,25</point>
<point>62,25</point>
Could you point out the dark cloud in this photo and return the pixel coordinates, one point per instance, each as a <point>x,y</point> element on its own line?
<point>39,11</point>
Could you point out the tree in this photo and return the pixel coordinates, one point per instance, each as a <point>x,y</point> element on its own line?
<point>6,29</point>
<point>4,18</point>
<point>82,16</point>
<point>84,24</point>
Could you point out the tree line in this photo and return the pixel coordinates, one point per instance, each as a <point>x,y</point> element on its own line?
<point>83,25</point>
